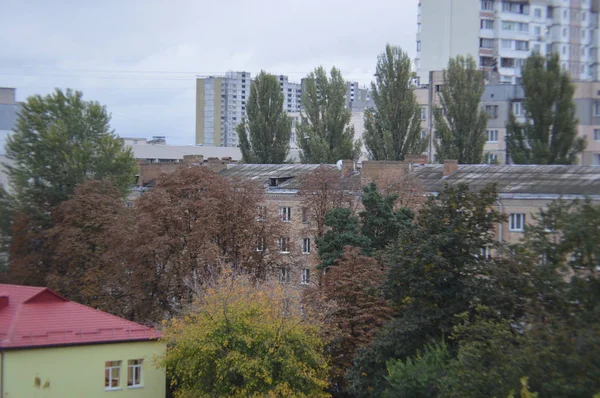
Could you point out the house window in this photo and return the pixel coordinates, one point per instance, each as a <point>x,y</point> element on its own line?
<point>487,24</point>
<point>492,135</point>
<point>517,222</point>
<point>423,113</point>
<point>492,111</point>
<point>596,134</point>
<point>112,374</point>
<point>260,244</point>
<point>284,275</point>
<point>492,158</point>
<point>486,252</point>
<point>285,214</point>
<point>305,276</point>
<point>134,373</point>
<point>262,213</point>
<point>284,244</point>
<point>306,246</point>
<point>517,108</point>
<point>596,108</point>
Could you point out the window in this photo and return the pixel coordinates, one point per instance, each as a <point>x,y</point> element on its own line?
<point>537,31</point>
<point>260,244</point>
<point>284,244</point>
<point>304,215</point>
<point>492,158</point>
<point>262,213</point>
<point>517,222</point>
<point>487,5</point>
<point>492,111</point>
<point>487,24</point>
<point>537,48</point>
<point>522,27</point>
<point>486,252</point>
<point>521,45</point>
<point>486,43</point>
<point>486,62</point>
<point>306,246</point>
<point>583,34</point>
<point>583,16</point>
<point>423,113</point>
<point>517,108</point>
<point>305,276</point>
<point>597,159</point>
<point>284,275</point>
<point>285,214</point>
<point>492,135</point>
<point>537,12</point>
<point>134,373</point>
<point>507,25</point>
<point>507,62</point>
<point>418,47</point>
<point>112,374</point>
<point>564,32</point>
<point>596,108</point>
<point>507,44</point>
<point>596,134</point>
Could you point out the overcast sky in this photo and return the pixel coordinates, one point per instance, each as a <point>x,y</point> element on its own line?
<point>140,58</point>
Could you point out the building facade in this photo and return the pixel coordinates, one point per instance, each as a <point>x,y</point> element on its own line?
<point>9,113</point>
<point>500,34</point>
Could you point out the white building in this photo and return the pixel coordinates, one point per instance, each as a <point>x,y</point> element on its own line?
<point>502,34</point>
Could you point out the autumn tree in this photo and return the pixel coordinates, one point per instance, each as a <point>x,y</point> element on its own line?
<point>549,133</point>
<point>324,134</point>
<point>459,121</point>
<point>393,127</point>
<point>246,339</point>
<point>265,135</point>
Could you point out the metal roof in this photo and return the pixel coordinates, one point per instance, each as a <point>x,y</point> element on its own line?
<point>516,179</point>
<point>265,172</point>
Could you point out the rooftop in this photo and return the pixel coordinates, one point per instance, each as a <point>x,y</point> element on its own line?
<point>284,173</point>
<point>38,317</point>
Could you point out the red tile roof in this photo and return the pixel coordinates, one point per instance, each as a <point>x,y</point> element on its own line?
<point>37,316</point>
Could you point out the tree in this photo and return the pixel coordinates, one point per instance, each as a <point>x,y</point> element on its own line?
<point>265,136</point>
<point>59,141</point>
<point>393,127</point>
<point>324,134</point>
<point>459,122</point>
<point>5,229</point>
<point>243,339</point>
<point>549,134</point>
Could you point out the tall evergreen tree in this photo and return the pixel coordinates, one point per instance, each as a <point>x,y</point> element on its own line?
<point>393,128</point>
<point>324,134</point>
<point>459,122</point>
<point>549,134</point>
<point>265,136</point>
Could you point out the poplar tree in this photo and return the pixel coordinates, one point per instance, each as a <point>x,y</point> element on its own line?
<point>393,127</point>
<point>459,121</point>
<point>549,134</point>
<point>265,136</point>
<point>325,134</point>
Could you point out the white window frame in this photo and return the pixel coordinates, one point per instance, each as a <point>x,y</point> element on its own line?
<point>305,276</point>
<point>487,24</point>
<point>285,213</point>
<point>133,368</point>
<point>260,244</point>
<point>596,134</point>
<point>492,135</point>
<point>517,108</point>
<point>306,246</point>
<point>423,113</point>
<point>284,275</point>
<point>283,242</point>
<point>109,375</point>
<point>517,222</point>
<point>486,252</point>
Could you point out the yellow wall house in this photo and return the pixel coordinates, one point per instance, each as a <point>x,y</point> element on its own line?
<point>55,348</point>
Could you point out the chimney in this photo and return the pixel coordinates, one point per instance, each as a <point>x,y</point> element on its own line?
<point>3,301</point>
<point>347,167</point>
<point>450,166</point>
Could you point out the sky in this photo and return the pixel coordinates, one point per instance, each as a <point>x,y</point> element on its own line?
<point>141,58</point>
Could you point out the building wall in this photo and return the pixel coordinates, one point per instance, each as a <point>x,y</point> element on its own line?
<point>78,371</point>
<point>7,95</point>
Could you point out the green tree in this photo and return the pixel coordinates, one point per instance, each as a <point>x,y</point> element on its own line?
<point>549,134</point>
<point>59,141</point>
<point>459,122</point>
<point>393,128</point>
<point>265,136</point>
<point>324,134</point>
<point>246,340</point>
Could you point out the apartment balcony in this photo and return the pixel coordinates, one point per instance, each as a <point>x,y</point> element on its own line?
<point>486,52</point>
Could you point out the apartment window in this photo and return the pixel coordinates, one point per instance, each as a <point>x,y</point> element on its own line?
<point>306,246</point>
<point>537,48</point>
<point>284,275</point>
<point>537,30</point>
<point>522,27</point>
<point>507,44</point>
<point>486,43</point>
<point>262,213</point>
<point>565,14</point>
<point>284,244</point>
<point>596,134</point>
<point>486,252</point>
<point>305,276</point>
<point>418,48</point>
<point>112,374</point>
<point>285,214</point>
<point>487,24</point>
<point>583,16</point>
<point>304,215</point>
<point>517,222</point>
<point>492,111</point>
<point>507,25</point>
<point>515,8</point>
<point>487,5</point>
<point>260,244</point>
<point>537,12</point>
<point>134,373</point>
<point>423,113</point>
<point>597,159</point>
<point>507,62</point>
<point>521,45</point>
<point>486,62</point>
<point>492,135</point>
<point>517,108</point>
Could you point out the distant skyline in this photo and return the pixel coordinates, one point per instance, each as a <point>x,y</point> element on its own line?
<point>141,59</point>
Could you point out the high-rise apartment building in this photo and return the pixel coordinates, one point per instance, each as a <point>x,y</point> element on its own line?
<point>501,34</point>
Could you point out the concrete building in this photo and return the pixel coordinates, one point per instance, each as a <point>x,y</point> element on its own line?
<point>501,34</point>
<point>9,112</point>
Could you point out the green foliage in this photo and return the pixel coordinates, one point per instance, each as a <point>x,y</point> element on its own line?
<point>343,231</point>
<point>324,134</point>
<point>265,136</point>
<point>59,141</point>
<point>460,123</point>
<point>393,128</point>
<point>246,340</point>
<point>5,229</point>
<point>549,134</point>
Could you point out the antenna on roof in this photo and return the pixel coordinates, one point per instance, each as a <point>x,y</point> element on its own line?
<point>339,164</point>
